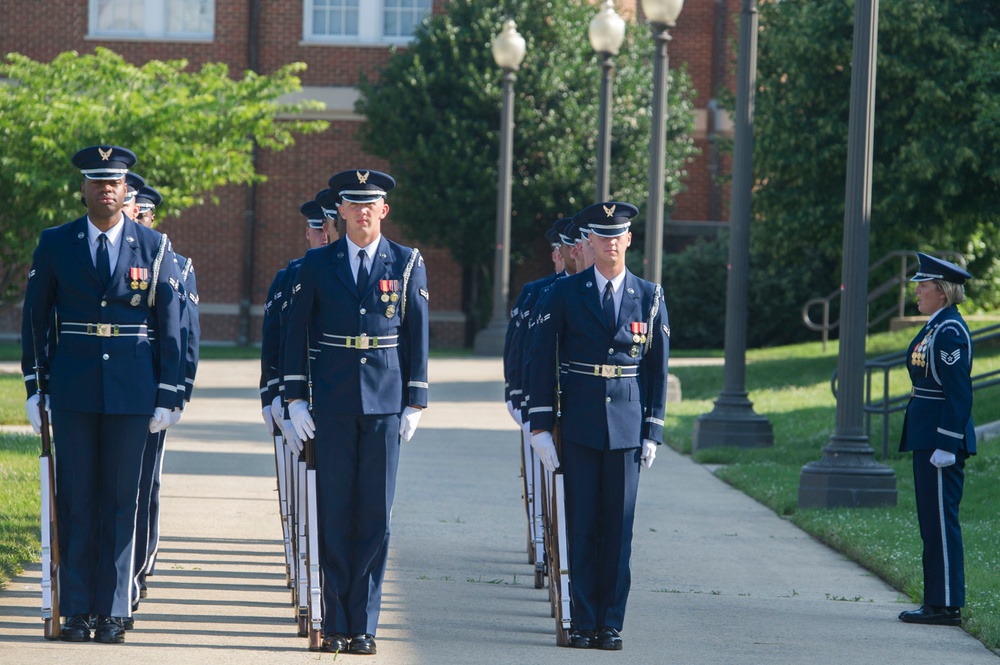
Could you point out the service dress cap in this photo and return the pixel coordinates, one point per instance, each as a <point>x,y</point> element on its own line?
<point>608,219</point>
<point>133,183</point>
<point>932,267</point>
<point>328,200</point>
<point>314,214</point>
<point>148,198</point>
<point>552,237</point>
<point>361,185</point>
<point>104,162</point>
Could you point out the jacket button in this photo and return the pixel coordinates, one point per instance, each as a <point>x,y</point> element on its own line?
<point>104,303</point>
<point>363,311</point>
<point>607,400</point>
<point>106,356</point>
<point>611,352</point>
<point>364,360</point>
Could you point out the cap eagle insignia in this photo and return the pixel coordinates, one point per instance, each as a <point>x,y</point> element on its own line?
<point>610,212</point>
<point>105,154</point>
<point>363,177</point>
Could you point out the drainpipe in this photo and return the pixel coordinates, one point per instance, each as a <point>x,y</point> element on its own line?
<point>250,201</point>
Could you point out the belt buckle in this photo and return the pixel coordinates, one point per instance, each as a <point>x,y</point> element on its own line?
<point>362,341</point>
<point>610,371</point>
<point>103,330</point>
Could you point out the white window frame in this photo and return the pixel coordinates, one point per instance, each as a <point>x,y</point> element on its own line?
<point>154,25</point>
<point>371,17</point>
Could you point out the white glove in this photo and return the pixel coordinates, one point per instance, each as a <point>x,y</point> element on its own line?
<point>648,453</point>
<point>175,415</point>
<point>545,448</point>
<point>302,421</point>
<point>268,419</point>
<point>292,438</point>
<point>34,415</point>
<point>514,413</point>
<point>160,419</point>
<point>942,458</point>
<point>277,415</point>
<point>408,422</point>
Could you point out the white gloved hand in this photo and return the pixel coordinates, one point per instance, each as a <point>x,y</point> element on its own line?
<point>160,420</point>
<point>298,412</point>
<point>408,422</point>
<point>175,415</point>
<point>545,448</point>
<point>268,419</point>
<point>292,438</point>
<point>277,415</point>
<point>648,453</point>
<point>34,415</point>
<point>942,458</point>
<point>515,413</point>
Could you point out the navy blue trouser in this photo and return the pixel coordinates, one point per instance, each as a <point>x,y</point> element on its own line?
<point>356,462</point>
<point>97,483</point>
<point>147,522</point>
<point>939,492</point>
<point>601,489</point>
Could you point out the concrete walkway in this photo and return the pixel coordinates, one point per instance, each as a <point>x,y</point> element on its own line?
<point>717,578</point>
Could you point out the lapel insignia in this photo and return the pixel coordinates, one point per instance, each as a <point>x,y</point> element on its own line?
<point>79,236</point>
<point>589,284</point>
<point>610,212</point>
<point>363,178</point>
<point>105,154</point>
<point>131,239</point>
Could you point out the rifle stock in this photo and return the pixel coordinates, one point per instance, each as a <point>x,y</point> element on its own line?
<point>49,518</point>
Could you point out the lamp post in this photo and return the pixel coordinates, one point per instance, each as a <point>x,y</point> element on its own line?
<point>732,421</point>
<point>848,475</point>
<point>508,52</point>
<point>661,15</point>
<point>606,32</point>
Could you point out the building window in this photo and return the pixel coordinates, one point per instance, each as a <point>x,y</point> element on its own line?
<point>152,19</point>
<point>363,21</point>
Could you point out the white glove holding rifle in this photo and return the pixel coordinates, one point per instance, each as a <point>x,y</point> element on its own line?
<point>277,415</point>
<point>545,448</point>
<point>408,422</point>
<point>34,414</point>
<point>160,419</point>
<point>298,413</point>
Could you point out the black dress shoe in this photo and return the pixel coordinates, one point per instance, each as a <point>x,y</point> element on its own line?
<point>335,643</point>
<point>933,615</point>
<point>582,639</point>
<point>142,589</point>
<point>109,630</point>
<point>362,644</point>
<point>608,639</point>
<point>128,623</point>
<point>76,629</point>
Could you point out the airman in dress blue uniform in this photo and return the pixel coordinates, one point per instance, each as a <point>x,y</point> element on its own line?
<point>608,329</point>
<point>112,378</point>
<point>938,430</point>
<point>147,526</point>
<point>365,298</point>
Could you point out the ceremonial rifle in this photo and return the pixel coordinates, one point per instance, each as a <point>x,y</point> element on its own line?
<point>49,521</point>
<point>315,601</point>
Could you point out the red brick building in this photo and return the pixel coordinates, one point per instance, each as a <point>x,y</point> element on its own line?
<point>239,245</point>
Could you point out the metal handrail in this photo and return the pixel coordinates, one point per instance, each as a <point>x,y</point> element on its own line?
<point>900,280</point>
<point>885,405</point>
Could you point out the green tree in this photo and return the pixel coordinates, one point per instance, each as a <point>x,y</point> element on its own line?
<point>434,113</point>
<point>936,172</point>
<point>192,131</point>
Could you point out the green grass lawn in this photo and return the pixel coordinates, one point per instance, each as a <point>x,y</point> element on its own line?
<point>791,387</point>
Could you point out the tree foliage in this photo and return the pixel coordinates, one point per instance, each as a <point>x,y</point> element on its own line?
<point>192,132</point>
<point>434,113</point>
<point>936,172</point>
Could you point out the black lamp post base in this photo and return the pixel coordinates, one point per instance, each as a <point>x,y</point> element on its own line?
<point>732,423</point>
<point>830,486</point>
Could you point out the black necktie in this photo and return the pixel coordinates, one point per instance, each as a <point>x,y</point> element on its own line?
<point>609,306</point>
<point>103,260</point>
<point>362,273</point>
